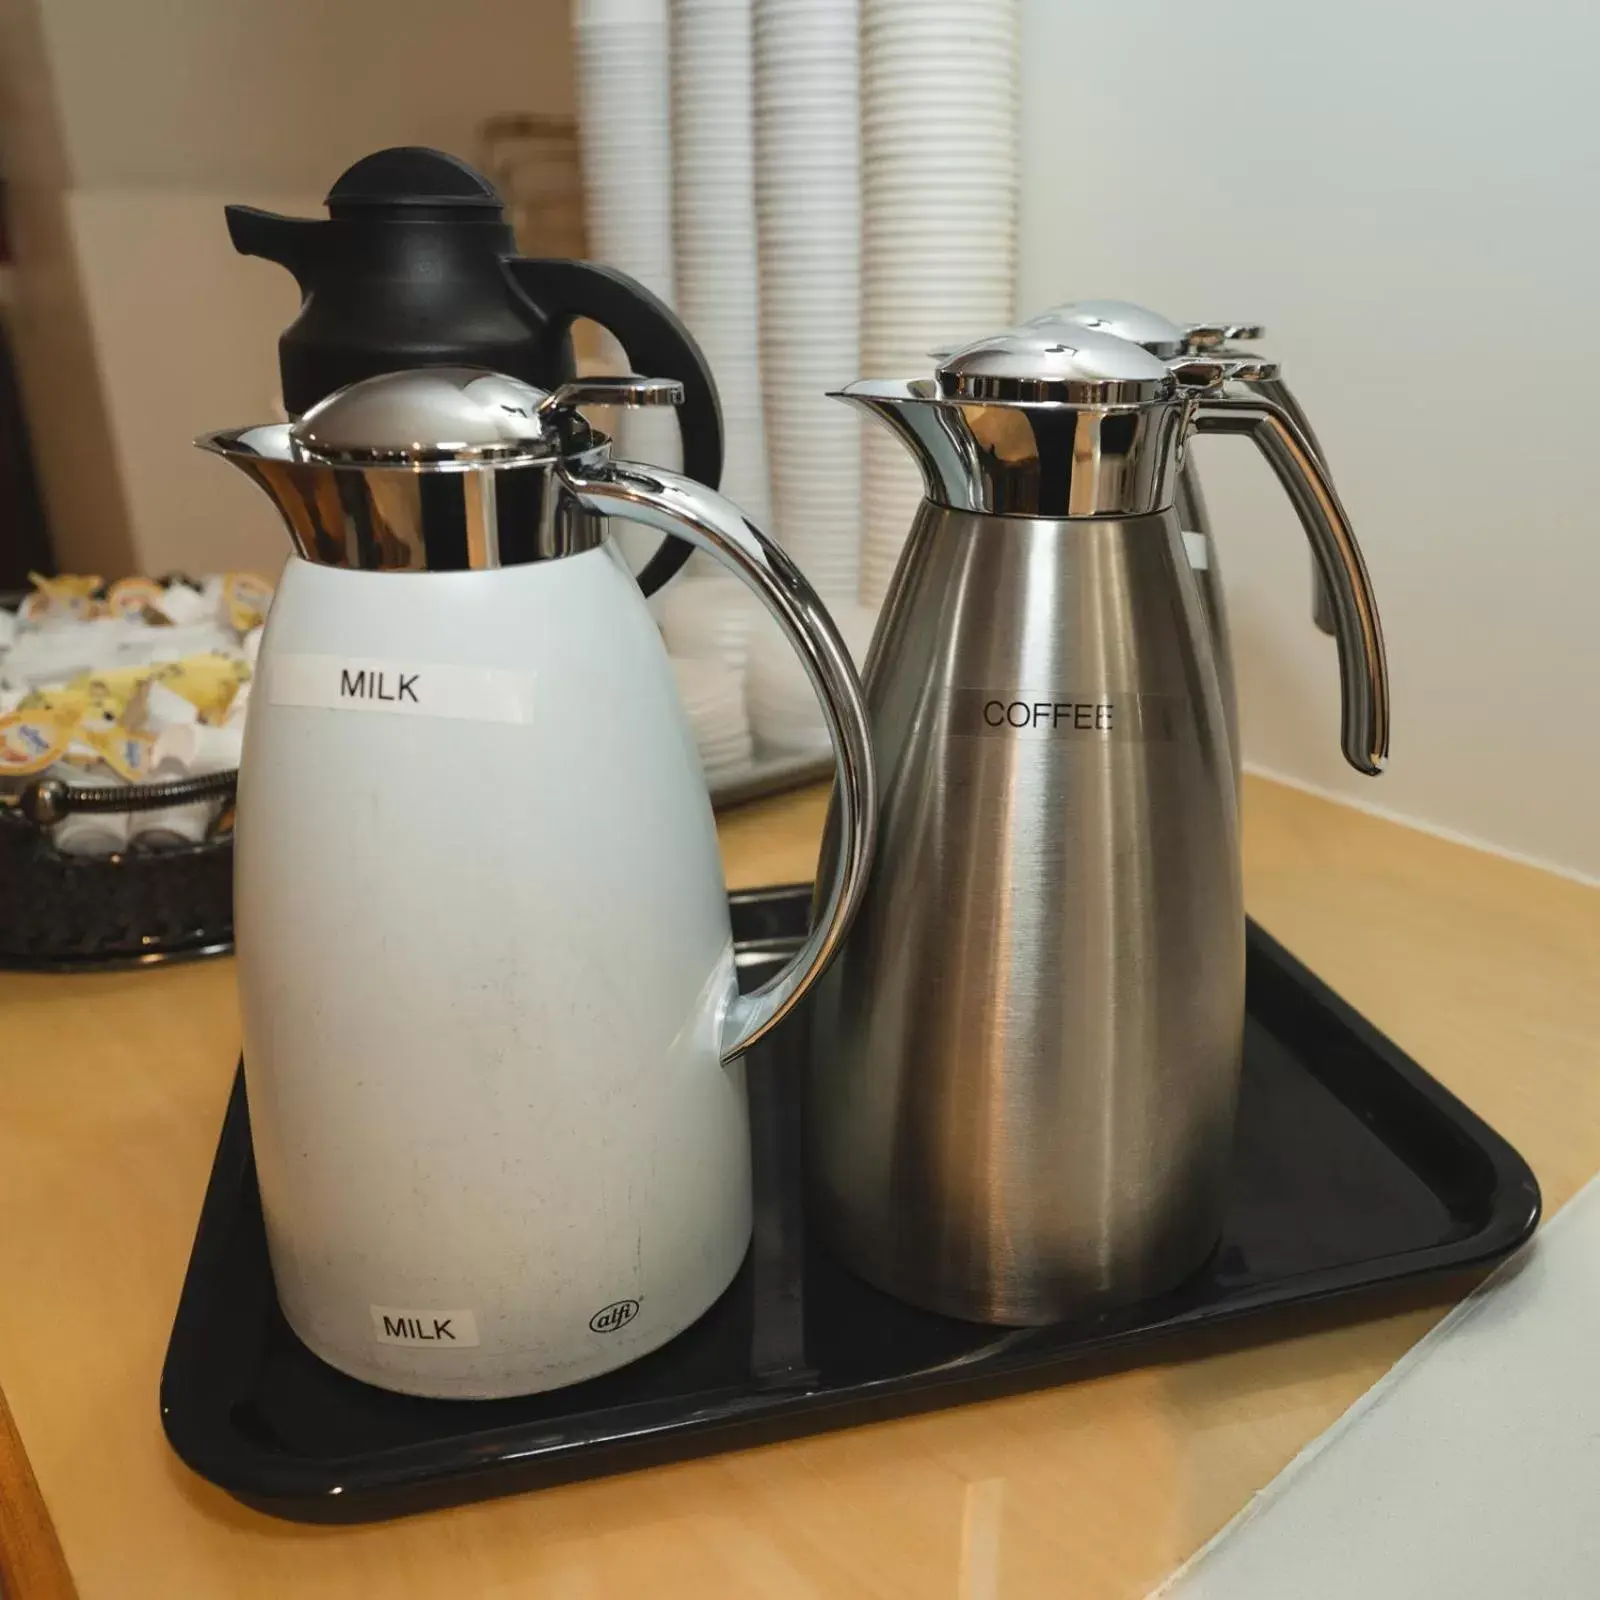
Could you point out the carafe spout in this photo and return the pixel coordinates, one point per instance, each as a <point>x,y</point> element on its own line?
<point>293,242</point>
<point>915,415</point>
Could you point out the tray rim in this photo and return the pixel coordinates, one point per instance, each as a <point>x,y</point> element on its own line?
<point>314,1489</point>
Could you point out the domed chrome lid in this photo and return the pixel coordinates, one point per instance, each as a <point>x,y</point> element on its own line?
<point>1066,365</point>
<point>443,419</point>
<point>431,416</point>
<point>1158,335</point>
<point>436,469</point>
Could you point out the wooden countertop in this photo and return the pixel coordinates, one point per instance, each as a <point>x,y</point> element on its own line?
<point>112,1089</point>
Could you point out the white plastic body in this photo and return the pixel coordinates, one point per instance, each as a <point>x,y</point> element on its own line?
<point>483,967</point>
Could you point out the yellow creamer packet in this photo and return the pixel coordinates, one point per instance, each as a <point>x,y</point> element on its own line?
<point>66,702</point>
<point>217,716</point>
<point>98,717</point>
<point>65,586</point>
<point>38,606</point>
<point>248,597</point>
<point>128,754</point>
<point>30,741</point>
<point>132,597</point>
<point>69,595</point>
<point>207,682</point>
<point>114,686</point>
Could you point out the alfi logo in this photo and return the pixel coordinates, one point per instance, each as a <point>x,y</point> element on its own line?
<point>616,1315</point>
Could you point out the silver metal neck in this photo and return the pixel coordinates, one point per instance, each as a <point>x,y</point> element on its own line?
<point>1034,460</point>
<point>383,517</point>
<point>437,469</point>
<point>1051,421</point>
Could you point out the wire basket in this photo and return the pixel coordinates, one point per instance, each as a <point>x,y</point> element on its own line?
<point>61,912</point>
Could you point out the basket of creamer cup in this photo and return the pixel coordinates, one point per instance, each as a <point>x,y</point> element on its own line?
<point>119,753</point>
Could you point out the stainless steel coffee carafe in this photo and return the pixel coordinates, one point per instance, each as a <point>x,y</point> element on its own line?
<point>1025,1058</point>
<point>1171,340</point>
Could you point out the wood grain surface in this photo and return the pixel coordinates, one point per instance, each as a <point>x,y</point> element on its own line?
<point>32,1565</point>
<point>111,1093</point>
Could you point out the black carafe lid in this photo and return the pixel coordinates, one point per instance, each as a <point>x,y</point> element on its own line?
<point>416,266</point>
<point>409,181</point>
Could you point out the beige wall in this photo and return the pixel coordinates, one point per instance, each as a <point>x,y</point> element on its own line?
<point>1405,193</point>
<point>50,332</point>
<point>186,336</point>
<point>124,128</point>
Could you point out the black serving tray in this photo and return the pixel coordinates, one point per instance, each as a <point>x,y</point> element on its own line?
<point>1355,1171</point>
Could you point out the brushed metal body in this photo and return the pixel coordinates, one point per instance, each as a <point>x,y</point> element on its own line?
<point>1026,1054</point>
<point>1194,518</point>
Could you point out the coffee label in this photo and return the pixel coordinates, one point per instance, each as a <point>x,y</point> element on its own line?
<point>1101,716</point>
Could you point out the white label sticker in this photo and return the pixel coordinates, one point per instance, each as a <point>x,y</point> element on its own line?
<point>402,688</point>
<point>431,1330</point>
<point>1198,549</point>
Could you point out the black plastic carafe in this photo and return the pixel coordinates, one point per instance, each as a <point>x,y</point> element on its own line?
<point>415,265</point>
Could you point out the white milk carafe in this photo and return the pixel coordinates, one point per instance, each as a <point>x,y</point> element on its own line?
<point>492,1029</point>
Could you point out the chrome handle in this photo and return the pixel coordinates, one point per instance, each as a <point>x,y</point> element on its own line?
<point>1207,340</point>
<point>1198,336</point>
<point>673,504</point>
<point>1277,391</point>
<point>1207,372</point>
<point>629,390</point>
<point>1363,668</point>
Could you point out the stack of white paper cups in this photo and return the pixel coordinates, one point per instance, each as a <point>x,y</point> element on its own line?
<point>808,215</point>
<point>784,711</point>
<point>713,700</point>
<point>625,140</point>
<point>939,192</point>
<point>709,616</point>
<point>714,226</point>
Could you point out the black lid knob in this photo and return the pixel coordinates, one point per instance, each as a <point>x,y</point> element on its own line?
<point>410,179</point>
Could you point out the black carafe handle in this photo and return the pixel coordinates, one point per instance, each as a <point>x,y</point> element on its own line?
<point>657,345</point>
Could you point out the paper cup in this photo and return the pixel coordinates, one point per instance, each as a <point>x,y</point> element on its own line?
<point>808,210</point>
<point>89,833</point>
<point>186,750</point>
<point>709,617</point>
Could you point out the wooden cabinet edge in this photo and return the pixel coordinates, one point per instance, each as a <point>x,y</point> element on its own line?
<point>32,1564</point>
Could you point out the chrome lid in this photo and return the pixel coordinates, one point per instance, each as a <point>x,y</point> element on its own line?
<point>1051,422</point>
<point>1159,335</point>
<point>1064,366</point>
<point>433,417</point>
<point>436,469</point>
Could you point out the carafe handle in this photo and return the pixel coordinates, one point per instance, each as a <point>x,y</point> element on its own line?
<point>1277,391</point>
<point>676,505</point>
<point>1200,338</point>
<point>655,341</point>
<point>1363,667</point>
